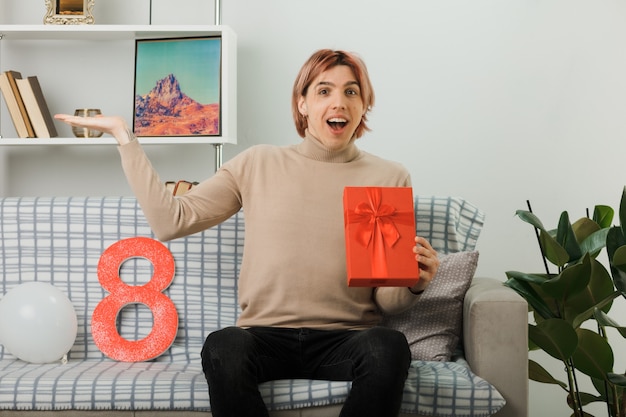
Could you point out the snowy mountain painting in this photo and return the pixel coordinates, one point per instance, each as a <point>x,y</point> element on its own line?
<point>177,87</point>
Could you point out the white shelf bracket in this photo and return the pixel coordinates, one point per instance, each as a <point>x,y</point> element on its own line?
<point>219,148</point>
<point>218,12</point>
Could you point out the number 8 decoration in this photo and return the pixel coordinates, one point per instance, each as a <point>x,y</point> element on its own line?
<point>165,317</point>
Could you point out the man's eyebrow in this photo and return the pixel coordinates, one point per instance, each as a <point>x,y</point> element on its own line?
<point>332,84</point>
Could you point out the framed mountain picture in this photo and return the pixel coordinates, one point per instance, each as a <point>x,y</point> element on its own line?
<point>177,87</point>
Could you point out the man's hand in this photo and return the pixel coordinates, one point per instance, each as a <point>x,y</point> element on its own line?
<point>428,262</point>
<point>113,125</point>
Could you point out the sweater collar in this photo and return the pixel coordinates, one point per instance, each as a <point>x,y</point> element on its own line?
<point>311,148</point>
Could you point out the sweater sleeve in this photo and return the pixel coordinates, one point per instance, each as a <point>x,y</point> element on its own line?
<point>211,202</point>
<point>394,300</point>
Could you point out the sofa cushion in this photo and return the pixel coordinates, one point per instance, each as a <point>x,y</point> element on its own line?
<point>433,326</point>
<point>439,389</point>
<point>449,389</point>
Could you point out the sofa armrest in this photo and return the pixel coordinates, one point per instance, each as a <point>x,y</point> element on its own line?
<point>495,340</point>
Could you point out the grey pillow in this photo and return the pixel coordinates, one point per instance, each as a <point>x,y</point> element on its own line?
<point>433,326</point>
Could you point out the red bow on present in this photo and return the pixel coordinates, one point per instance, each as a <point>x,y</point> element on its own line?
<point>377,227</point>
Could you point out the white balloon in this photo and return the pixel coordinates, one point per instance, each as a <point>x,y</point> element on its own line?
<point>37,322</point>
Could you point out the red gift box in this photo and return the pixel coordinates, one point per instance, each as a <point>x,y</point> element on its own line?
<point>380,236</point>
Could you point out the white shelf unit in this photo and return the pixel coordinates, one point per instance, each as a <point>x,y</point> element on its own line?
<point>123,36</point>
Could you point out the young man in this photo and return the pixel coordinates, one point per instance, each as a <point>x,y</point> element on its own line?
<point>299,319</point>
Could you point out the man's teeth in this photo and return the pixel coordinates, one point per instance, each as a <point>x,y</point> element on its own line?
<point>337,122</point>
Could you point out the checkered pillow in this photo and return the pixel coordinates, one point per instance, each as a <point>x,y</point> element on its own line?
<point>450,224</point>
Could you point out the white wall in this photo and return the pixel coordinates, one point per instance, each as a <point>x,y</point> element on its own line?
<point>497,101</point>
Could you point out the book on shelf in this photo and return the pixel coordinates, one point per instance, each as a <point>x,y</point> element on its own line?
<point>180,187</point>
<point>15,104</point>
<point>37,108</point>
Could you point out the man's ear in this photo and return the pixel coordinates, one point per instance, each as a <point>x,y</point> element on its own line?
<point>302,106</point>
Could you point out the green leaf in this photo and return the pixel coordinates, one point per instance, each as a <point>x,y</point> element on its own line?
<point>619,263</point>
<point>571,280</point>
<point>583,228</point>
<point>537,373</point>
<point>550,248</point>
<point>603,216</point>
<point>619,258</point>
<point>593,355</point>
<point>567,239</point>
<point>604,320</point>
<point>599,288</point>
<point>614,240</point>
<point>586,399</point>
<point>622,212</point>
<point>601,386</point>
<point>556,337</point>
<point>587,314</point>
<point>537,279</point>
<point>534,300</point>
<point>530,218</point>
<point>595,242</point>
<point>617,379</point>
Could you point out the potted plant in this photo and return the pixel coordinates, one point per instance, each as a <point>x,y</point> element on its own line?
<point>570,305</point>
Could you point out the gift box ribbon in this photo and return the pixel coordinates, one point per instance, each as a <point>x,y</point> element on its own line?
<point>377,227</point>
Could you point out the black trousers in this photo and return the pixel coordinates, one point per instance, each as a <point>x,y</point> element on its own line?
<point>236,360</point>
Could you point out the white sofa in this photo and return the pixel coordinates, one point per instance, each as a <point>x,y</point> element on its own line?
<point>60,240</point>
